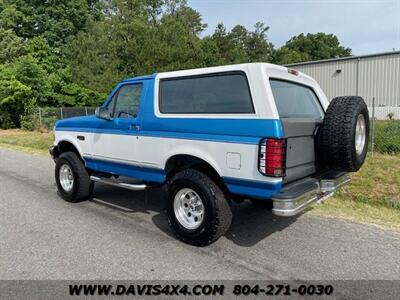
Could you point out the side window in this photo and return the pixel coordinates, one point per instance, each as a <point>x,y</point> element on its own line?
<point>111,105</point>
<point>125,102</point>
<point>206,94</point>
<point>295,101</point>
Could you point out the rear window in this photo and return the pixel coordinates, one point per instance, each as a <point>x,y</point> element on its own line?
<point>210,94</point>
<point>295,101</point>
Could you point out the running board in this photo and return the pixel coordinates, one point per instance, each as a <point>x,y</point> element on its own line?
<point>113,182</point>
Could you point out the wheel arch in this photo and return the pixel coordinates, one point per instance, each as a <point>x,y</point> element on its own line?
<point>65,145</point>
<point>179,162</point>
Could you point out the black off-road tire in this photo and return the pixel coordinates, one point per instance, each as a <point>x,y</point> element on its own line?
<point>262,204</point>
<point>217,211</point>
<point>82,185</point>
<point>337,136</point>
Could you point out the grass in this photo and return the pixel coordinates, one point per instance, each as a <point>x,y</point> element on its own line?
<point>372,197</point>
<point>387,137</point>
<point>360,212</point>
<point>29,141</point>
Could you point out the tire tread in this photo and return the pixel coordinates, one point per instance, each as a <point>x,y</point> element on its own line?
<point>336,142</point>
<point>84,186</point>
<point>223,213</point>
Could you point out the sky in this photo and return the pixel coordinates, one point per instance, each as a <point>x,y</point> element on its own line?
<point>366,26</point>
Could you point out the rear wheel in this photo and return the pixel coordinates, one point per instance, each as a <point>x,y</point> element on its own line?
<point>72,179</point>
<point>344,134</point>
<point>197,209</point>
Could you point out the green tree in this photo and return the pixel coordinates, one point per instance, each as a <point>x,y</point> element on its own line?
<point>11,46</point>
<point>258,48</point>
<point>138,37</point>
<point>14,97</point>
<point>55,20</point>
<point>32,80</point>
<point>284,56</point>
<point>240,45</point>
<point>27,71</point>
<point>230,47</point>
<point>67,93</point>
<point>46,56</point>
<point>93,58</point>
<point>176,44</point>
<point>72,52</point>
<point>191,20</point>
<point>310,47</point>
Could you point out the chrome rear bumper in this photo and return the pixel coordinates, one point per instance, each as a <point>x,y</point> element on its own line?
<point>298,196</point>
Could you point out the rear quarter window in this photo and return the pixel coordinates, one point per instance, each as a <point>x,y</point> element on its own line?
<point>206,94</point>
<point>295,100</point>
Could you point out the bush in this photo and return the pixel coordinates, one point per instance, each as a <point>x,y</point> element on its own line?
<point>49,122</point>
<point>49,116</point>
<point>6,121</point>
<point>27,123</point>
<point>14,97</point>
<point>387,137</point>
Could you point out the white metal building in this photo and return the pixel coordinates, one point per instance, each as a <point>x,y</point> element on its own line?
<point>374,76</point>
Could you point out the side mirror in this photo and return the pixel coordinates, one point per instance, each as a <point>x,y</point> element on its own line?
<point>102,113</point>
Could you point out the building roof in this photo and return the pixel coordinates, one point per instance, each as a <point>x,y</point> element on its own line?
<point>343,58</point>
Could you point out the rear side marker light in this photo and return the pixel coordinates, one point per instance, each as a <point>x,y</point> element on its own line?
<point>272,157</point>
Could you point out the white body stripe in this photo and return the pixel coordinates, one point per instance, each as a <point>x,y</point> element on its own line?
<point>123,148</point>
<point>159,150</point>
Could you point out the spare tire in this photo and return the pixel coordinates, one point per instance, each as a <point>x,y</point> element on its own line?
<point>344,134</point>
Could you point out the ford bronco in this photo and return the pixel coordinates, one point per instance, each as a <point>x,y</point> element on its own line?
<point>211,136</point>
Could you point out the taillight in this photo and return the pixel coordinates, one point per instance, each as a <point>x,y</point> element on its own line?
<point>272,157</point>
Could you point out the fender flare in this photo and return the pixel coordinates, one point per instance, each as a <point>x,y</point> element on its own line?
<point>65,138</point>
<point>190,151</point>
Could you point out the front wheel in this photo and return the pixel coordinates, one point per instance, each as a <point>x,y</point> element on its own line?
<point>72,179</point>
<point>197,209</point>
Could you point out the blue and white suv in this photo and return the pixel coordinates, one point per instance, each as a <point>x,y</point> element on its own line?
<point>252,131</point>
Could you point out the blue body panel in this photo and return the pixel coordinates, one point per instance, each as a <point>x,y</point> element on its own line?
<point>251,188</point>
<point>243,131</point>
<point>145,174</point>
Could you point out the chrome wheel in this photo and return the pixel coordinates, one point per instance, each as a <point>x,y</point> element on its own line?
<point>360,136</point>
<point>66,177</point>
<point>188,208</point>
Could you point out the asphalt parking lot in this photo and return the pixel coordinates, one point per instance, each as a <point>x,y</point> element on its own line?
<point>122,234</point>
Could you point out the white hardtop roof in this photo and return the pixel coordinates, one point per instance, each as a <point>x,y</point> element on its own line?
<point>249,67</point>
